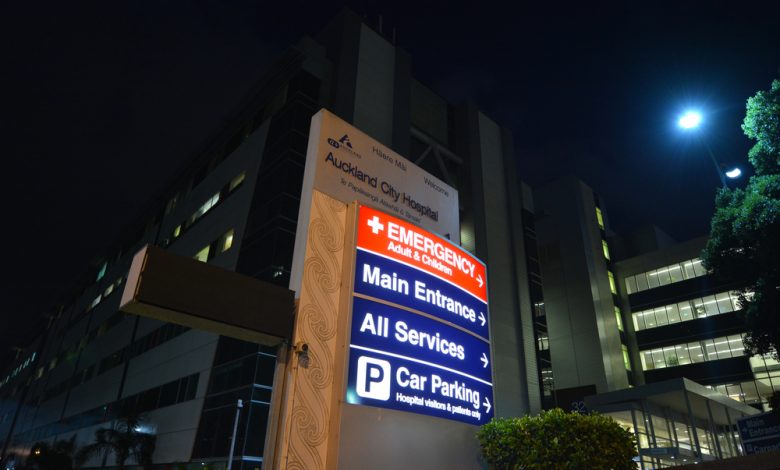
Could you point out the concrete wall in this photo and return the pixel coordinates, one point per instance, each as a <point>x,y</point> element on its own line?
<point>585,345</point>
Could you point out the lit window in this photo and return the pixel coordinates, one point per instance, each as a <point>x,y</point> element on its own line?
<point>605,247</point>
<point>619,318</point>
<point>612,286</point>
<point>102,271</point>
<point>96,301</point>
<point>548,384</point>
<point>723,302</point>
<point>665,275</point>
<point>626,358</point>
<point>543,342</point>
<point>600,218</point>
<point>226,241</point>
<point>177,231</point>
<point>108,290</point>
<point>698,351</point>
<point>211,202</point>
<point>203,255</point>
<point>236,182</point>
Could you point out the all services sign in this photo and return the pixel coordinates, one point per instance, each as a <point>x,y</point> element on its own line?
<point>419,337</point>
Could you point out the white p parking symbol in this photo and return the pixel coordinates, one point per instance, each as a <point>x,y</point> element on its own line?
<point>373,378</point>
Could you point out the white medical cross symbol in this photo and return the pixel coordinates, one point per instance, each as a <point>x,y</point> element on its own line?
<point>375,225</point>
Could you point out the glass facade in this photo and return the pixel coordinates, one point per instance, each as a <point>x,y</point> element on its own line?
<point>668,438</point>
<point>756,392</point>
<point>707,306</point>
<point>690,353</point>
<point>665,275</point>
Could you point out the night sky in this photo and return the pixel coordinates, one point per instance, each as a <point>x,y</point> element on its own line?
<point>95,95</point>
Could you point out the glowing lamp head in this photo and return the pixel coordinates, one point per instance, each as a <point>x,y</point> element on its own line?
<point>689,120</point>
<point>735,173</point>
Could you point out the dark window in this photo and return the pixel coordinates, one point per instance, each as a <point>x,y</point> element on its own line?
<point>168,394</point>
<point>255,431</point>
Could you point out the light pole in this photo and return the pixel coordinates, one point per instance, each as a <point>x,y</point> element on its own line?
<point>239,405</point>
<point>690,121</point>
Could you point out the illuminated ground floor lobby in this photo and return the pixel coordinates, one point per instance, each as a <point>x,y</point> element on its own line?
<point>676,422</point>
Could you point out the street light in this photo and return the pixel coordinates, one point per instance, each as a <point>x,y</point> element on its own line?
<point>691,120</point>
<point>239,405</point>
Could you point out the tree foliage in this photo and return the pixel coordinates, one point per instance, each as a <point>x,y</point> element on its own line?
<point>744,244</point>
<point>123,440</point>
<point>56,456</point>
<point>556,440</point>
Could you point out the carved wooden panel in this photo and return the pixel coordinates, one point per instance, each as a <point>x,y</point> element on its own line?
<point>317,322</point>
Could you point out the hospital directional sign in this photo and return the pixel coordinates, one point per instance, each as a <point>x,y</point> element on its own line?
<point>383,278</point>
<point>419,329</point>
<point>401,333</point>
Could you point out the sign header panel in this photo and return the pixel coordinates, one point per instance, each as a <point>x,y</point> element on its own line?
<point>399,240</point>
<point>350,166</point>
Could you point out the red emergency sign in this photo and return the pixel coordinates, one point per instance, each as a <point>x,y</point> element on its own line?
<point>397,239</point>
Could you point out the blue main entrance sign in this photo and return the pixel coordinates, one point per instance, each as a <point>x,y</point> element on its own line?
<point>419,331</point>
<point>402,284</point>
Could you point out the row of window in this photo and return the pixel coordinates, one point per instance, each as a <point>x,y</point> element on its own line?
<point>210,203</point>
<point>111,288</point>
<point>220,245</point>
<point>665,275</point>
<point>24,364</point>
<point>114,286</point>
<point>171,393</point>
<point>161,335</point>
<point>752,392</point>
<point>138,347</point>
<point>71,353</point>
<point>723,302</point>
<point>176,391</point>
<point>694,352</point>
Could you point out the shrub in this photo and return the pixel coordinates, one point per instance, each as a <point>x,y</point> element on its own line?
<point>556,440</point>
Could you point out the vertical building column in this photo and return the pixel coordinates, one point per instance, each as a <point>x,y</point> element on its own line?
<point>714,431</point>
<point>732,436</point>
<point>692,422</point>
<point>636,436</point>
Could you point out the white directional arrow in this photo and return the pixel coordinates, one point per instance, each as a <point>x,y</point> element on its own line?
<point>479,280</point>
<point>484,360</point>
<point>482,318</point>
<point>487,405</point>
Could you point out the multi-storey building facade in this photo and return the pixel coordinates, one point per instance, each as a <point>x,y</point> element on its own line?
<point>236,207</point>
<point>686,324</point>
<point>587,339</point>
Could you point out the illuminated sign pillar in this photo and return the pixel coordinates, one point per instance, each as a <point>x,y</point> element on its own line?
<point>391,363</point>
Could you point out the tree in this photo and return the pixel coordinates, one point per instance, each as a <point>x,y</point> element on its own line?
<point>556,440</point>
<point>57,456</point>
<point>123,440</point>
<point>744,243</point>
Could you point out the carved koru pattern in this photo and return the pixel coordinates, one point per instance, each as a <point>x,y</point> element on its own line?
<point>316,326</point>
